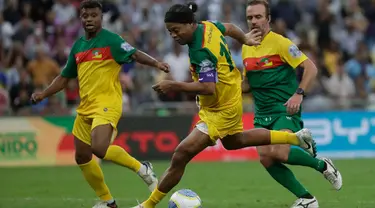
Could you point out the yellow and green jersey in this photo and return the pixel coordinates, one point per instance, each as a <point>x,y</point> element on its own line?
<point>211,61</point>
<point>97,63</point>
<point>269,69</point>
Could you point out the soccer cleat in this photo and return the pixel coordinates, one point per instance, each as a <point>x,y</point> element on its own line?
<point>306,203</point>
<point>332,174</point>
<point>103,204</point>
<point>149,176</point>
<point>306,141</point>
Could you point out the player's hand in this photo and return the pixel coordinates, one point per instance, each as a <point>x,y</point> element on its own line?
<point>163,66</point>
<point>253,38</point>
<point>163,87</point>
<point>293,104</point>
<point>37,97</point>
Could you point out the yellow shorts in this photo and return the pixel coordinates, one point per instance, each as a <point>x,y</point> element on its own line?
<point>83,125</point>
<point>220,124</point>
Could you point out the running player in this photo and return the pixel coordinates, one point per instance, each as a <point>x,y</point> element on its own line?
<point>269,74</point>
<point>96,59</point>
<point>217,82</point>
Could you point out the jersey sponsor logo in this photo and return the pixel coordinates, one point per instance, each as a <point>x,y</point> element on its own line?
<point>206,66</point>
<point>294,51</point>
<point>127,47</point>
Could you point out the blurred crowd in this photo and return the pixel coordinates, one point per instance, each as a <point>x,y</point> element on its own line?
<point>36,36</point>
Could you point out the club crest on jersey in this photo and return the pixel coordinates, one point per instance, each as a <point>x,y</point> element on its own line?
<point>206,66</point>
<point>96,54</point>
<point>264,62</point>
<point>294,51</point>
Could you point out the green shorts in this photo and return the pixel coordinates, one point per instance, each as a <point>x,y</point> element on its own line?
<point>293,123</point>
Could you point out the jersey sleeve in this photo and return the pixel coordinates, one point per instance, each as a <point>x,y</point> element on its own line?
<point>219,25</point>
<point>70,69</point>
<point>243,52</point>
<point>121,50</point>
<point>290,53</point>
<point>205,66</point>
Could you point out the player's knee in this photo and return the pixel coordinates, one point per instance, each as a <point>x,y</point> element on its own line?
<point>181,156</point>
<point>266,161</point>
<point>83,157</point>
<point>274,152</point>
<point>99,151</point>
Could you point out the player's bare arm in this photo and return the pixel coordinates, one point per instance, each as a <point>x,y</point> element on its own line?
<point>57,85</point>
<point>309,74</point>
<point>252,38</point>
<point>245,85</point>
<point>143,58</point>
<point>201,88</point>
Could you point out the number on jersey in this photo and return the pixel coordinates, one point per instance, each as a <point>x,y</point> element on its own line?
<point>226,53</point>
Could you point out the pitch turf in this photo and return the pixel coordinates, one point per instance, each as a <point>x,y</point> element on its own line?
<point>220,185</point>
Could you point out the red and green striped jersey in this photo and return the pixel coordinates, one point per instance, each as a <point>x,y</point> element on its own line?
<point>97,64</point>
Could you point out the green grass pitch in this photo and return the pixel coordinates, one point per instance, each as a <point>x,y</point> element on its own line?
<point>220,185</point>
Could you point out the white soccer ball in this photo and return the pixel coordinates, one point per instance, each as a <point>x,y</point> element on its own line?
<point>185,198</point>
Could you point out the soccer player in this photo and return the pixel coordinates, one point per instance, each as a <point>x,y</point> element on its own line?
<point>217,82</point>
<point>96,59</point>
<point>270,76</point>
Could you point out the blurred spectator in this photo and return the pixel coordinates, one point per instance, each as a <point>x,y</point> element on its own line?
<point>43,69</point>
<point>179,62</point>
<point>6,32</point>
<point>340,86</point>
<point>65,11</point>
<point>361,70</point>
<point>20,92</point>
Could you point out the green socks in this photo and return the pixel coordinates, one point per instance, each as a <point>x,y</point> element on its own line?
<point>286,178</point>
<point>298,156</point>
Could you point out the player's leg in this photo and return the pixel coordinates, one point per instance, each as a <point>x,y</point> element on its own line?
<point>90,167</point>
<point>193,144</point>
<point>282,174</point>
<point>102,134</point>
<point>297,156</point>
<point>259,137</point>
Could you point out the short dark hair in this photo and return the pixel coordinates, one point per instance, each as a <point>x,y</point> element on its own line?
<point>262,2</point>
<point>181,13</point>
<point>91,4</point>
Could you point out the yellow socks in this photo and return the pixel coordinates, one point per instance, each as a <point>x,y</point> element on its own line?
<point>94,176</point>
<point>155,197</point>
<point>119,156</point>
<point>282,137</point>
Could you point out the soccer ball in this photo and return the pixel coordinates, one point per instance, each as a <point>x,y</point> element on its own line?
<point>185,198</point>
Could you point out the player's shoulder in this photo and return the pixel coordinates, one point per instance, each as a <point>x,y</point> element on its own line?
<point>279,39</point>
<point>109,35</point>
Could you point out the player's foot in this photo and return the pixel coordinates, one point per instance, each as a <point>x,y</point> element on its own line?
<point>332,174</point>
<point>306,203</point>
<point>306,141</point>
<point>103,204</point>
<point>148,175</point>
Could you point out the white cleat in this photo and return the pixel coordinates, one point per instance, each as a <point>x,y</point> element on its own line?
<point>306,203</point>
<point>306,141</point>
<point>148,176</point>
<point>332,174</point>
<point>103,204</point>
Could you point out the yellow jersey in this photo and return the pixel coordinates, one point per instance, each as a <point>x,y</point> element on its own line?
<point>211,61</point>
<point>97,64</point>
